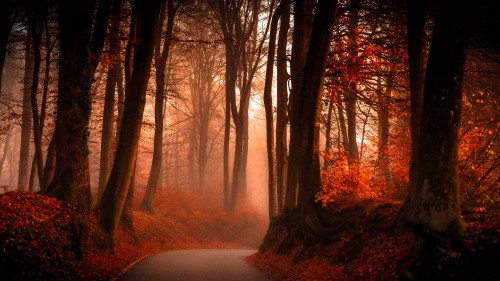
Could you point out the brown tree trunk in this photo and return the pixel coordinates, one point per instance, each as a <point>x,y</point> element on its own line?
<point>114,196</point>
<point>268,105</point>
<point>22,179</point>
<point>36,18</point>
<point>417,40</point>
<point>160,63</point>
<point>437,204</point>
<point>328,134</point>
<point>6,22</point>
<point>114,71</point>
<point>342,123</point>
<point>281,105</point>
<point>6,148</point>
<point>301,35</point>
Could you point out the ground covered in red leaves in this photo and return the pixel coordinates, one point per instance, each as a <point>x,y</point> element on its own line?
<point>36,236</point>
<point>362,254</point>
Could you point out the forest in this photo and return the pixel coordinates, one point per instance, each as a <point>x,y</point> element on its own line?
<point>325,139</point>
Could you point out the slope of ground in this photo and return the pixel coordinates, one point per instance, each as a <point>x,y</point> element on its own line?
<point>371,253</point>
<point>35,235</point>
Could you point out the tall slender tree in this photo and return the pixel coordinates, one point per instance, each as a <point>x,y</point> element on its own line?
<point>160,65</point>
<point>113,200</point>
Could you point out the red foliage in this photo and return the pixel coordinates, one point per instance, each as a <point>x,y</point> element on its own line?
<point>36,237</point>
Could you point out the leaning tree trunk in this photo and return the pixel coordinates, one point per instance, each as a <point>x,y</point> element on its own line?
<point>161,63</point>
<point>115,193</point>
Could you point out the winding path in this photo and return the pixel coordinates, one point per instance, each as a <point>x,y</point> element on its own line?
<point>195,265</point>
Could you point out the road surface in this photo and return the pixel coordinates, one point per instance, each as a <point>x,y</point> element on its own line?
<point>195,265</point>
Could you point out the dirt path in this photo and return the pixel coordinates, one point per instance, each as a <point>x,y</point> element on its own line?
<point>195,265</point>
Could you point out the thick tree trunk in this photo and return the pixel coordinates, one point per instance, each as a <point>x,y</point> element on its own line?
<point>114,196</point>
<point>281,105</point>
<point>22,179</point>
<point>437,200</point>
<point>312,92</point>
<point>301,35</point>
<point>417,39</point>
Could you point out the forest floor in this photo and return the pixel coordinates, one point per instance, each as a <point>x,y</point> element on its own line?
<point>36,231</point>
<point>36,249</point>
<point>367,253</point>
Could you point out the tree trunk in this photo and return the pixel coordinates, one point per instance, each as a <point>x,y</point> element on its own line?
<point>6,23</point>
<point>342,123</point>
<point>417,40</point>
<point>6,148</point>
<point>114,71</point>
<point>36,18</point>
<point>26,115</point>
<point>281,105</point>
<point>268,104</point>
<point>328,134</point>
<point>383,128</point>
<point>113,199</point>
<point>437,200</point>
<point>301,35</point>
<point>160,63</point>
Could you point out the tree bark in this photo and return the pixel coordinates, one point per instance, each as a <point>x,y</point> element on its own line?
<point>160,63</point>
<point>114,71</point>
<point>281,105</point>
<point>437,200</point>
<point>268,104</point>
<point>6,23</point>
<point>26,114</point>
<point>311,96</point>
<point>113,199</point>
<point>417,38</point>
<point>303,18</point>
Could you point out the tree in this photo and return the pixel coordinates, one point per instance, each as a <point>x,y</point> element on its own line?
<point>282,77</point>
<point>115,71</point>
<point>307,223</point>
<point>145,23</point>
<point>300,45</point>
<point>437,203</point>
<point>268,104</point>
<point>238,21</point>
<point>79,50</point>
<point>22,179</point>
<point>6,22</point>
<point>160,65</point>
